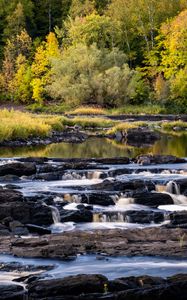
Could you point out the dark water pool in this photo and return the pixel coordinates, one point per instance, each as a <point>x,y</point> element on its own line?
<point>101,147</point>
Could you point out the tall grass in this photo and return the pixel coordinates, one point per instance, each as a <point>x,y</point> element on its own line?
<point>88,111</point>
<point>88,122</point>
<point>124,127</point>
<point>149,109</point>
<point>15,124</point>
<point>169,126</point>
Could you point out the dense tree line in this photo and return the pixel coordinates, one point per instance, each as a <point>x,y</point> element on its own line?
<point>110,52</point>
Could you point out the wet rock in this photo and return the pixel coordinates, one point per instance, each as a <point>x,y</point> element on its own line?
<point>132,216</point>
<point>9,178</point>
<point>7,195</point>
<point>144,217</point>
<point>103,199</point>
<point>48,176</point>
<point>123,186</point>
<point>178,218</point>
<point>11,291</point>
<point>182,184</point>
<point>37,229</point>
<point>12,187</point>
<point>18,228</point>
<point>18,169</point>
<point>37,160</point>
<point>158,159</point>
<point>4,230</point>
<point>141,136</point>
<point>77,216</point>
<point>127,283</point>
<point>152,199</point>
<point>95,287</point>
<point>72,285</point>
<point>27,213</point>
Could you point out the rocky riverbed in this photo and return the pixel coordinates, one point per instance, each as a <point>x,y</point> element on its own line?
<point>112,208</point>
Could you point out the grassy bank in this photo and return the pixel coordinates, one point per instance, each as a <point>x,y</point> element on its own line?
<point>15,124</point>
<point>149,109</point>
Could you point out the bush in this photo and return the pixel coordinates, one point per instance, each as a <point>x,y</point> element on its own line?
<point>88,75</point>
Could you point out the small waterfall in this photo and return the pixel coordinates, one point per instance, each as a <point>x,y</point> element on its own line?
<point>72,176</point>
<point>124,201</point>
<point>173,188</point>
<point>76,198</point>
<point>94,175</point>
<point>179,199</point>
<point>108,217</point>
<point>160,188</point>
<point>55,214</point>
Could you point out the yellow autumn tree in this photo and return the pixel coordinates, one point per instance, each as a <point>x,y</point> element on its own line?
<point>41,67</point>
<point>20,85</point>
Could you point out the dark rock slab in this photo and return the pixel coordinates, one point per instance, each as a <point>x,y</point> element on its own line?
<point>26,213</point>
<point>37,229</point>
<point>103,199</point>
<point>81,215</point>
<point>152,199</point>
<point>11,292</point>
<point>18,169</point>
<point>72,285</point>
<point>8,195</point>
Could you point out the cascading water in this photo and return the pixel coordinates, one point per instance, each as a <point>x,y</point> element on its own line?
<point>108,217</point>
<point>124,201</point>
<point>55,214</point>
<point>173,188</point>
<point>94,175</point>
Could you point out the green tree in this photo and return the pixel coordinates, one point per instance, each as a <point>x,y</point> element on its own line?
<point>84,75</point>
<point>92,29</point>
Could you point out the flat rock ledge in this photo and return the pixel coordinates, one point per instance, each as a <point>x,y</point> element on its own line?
<point>161,241</point>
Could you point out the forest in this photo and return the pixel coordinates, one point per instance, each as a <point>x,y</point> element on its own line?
<point>109,53</point>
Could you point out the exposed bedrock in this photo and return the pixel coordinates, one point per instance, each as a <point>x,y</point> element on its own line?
<point>148,241</point>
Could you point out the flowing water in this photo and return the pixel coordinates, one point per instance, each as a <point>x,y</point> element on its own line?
<point>73,183</point>
<point>112,267</point>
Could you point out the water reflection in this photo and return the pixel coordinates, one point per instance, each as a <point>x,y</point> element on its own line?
<point>101,147</point>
